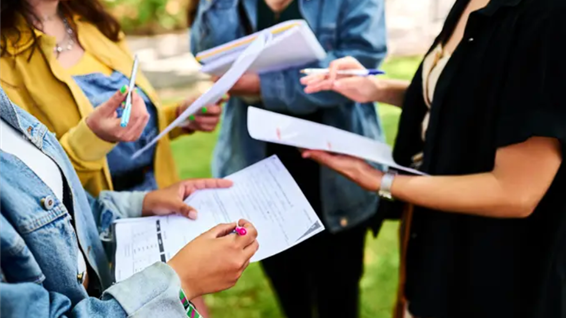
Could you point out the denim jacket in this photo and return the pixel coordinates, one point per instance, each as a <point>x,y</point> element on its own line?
<point>344,28</point>
<point>40,245</point>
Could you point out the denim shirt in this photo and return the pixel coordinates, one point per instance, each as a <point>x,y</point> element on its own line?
<point>344,28</point>
<point>98,88</point>
<point>40,245</point>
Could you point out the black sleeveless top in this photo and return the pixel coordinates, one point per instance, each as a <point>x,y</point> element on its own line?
<point>504,83</point>
<point>305,172</point>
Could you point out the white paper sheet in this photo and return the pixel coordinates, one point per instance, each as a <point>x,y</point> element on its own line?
<point>296,46</point>
<point>264,193</point>
<point>220,88</point>
<point>281,129</point>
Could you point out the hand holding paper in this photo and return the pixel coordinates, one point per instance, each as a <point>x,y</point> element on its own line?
<point>264,194</point>
<point>220,88</point>
<point>286,130</point>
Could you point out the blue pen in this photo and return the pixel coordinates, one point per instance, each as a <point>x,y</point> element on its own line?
<point>128,108</point>
<point>322,71</point>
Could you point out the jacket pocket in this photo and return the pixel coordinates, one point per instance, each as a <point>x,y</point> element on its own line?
<point>17,262</point>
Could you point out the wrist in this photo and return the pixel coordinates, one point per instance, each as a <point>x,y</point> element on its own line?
<point>380,87</point>
<point>369,178</point>
<point>189,291</point>
<point>147,205</point>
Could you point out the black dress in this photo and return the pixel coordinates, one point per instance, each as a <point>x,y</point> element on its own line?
<point>314,276</point>
<point>505,83</point>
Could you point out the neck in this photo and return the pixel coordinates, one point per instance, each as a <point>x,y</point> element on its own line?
<point>44,9</point>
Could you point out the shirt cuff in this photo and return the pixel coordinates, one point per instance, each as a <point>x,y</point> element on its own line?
<point>86,145</point>
<point>153,292</point>
<point>170,113</point>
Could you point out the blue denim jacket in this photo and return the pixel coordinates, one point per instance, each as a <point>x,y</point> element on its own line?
<point>38,263</point>
<point>344,28</point>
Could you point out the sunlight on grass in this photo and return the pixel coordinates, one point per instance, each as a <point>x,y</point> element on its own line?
<point>252,296</point>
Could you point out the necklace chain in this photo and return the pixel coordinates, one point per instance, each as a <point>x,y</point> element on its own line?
<point>68,42</point>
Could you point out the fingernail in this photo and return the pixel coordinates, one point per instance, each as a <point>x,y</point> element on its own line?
<point>192,215</point>
<point>204,110</point>
<point>225,96</point>
<point>192,117</point>
<point>123,89</point>
<point>123,104</point>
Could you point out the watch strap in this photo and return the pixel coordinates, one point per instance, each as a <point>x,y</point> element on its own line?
<point>386,183</point>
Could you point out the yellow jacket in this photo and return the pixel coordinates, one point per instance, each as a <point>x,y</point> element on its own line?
<point>38,84</point>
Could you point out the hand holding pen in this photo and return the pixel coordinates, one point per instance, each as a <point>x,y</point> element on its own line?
<point>106,125</point>
<point>346,76</point>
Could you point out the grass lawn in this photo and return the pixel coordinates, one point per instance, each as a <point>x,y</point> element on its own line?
<point>252,296</point>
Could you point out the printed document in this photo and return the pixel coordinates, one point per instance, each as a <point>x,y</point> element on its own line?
<point>264,194</point>
<point>293,45</point>
<point>286,130</point>
<point>220,88</point>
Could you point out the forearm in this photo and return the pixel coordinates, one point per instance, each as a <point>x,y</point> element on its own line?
<point>390,91</point>
<point>478,194</point>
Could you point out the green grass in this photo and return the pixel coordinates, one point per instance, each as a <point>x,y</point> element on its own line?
<point>252,296</point>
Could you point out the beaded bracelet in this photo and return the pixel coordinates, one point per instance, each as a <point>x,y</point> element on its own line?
<point>189,307</point>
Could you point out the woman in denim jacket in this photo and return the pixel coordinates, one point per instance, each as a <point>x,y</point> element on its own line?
<point>323,273</point>
<point>53,262</point>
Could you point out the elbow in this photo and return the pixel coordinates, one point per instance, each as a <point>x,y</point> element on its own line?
<point>521,206</point>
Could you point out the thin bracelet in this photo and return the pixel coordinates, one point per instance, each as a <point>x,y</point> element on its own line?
<point>190,308</point>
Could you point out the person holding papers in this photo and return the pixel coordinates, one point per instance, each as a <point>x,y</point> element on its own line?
<point>486,113</point>
<point>53,237</point>
<point>322,274</point>
<point>67,63</point>
<point>61,61</point>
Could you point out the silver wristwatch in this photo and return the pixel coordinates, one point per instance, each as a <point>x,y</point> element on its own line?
<point>386,182</point>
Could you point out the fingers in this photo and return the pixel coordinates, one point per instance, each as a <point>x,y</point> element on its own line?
<point>211,111</point>
<point>348,83</point>
<point>312,79</point>
<point>211,183</point>
<point>221,230</point>
<point>224,99</point>
<point>321,157</point>
<point>246,240</point>
<point>115,101</point>
<point>187,211</point>
<point>139,117</point>
<point>249,251</point>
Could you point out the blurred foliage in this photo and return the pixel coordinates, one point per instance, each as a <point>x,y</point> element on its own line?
<point>149,16</point>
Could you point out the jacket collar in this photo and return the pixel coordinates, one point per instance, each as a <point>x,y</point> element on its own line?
<point>21,120</point>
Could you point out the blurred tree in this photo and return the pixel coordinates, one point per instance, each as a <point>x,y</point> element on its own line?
<point>149,16</point>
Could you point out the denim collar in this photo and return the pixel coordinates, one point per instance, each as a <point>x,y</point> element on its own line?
<point>13,115</point>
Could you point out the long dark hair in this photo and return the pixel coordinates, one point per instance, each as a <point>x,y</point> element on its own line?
<point>192,9</point>
<point>89,10</point>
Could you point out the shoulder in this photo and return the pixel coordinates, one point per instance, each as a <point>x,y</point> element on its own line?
<point>541,12</point>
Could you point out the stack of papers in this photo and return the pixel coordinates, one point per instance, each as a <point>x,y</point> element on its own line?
<point>294,44</point>
<point>286,130</point>
<point>264,194</point>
